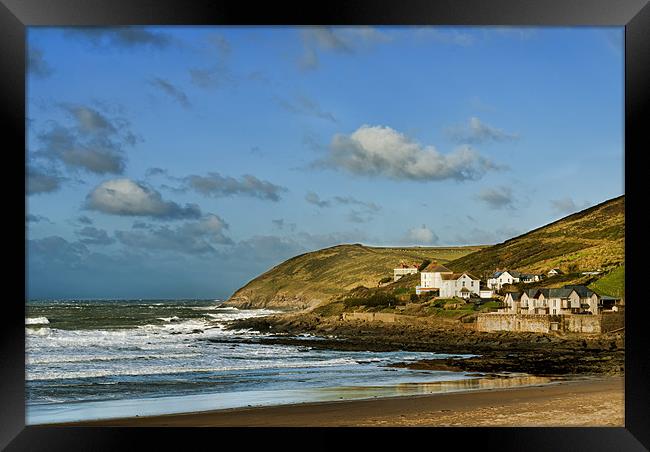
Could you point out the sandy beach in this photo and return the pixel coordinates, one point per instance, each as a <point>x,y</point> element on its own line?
<point>574,403</point>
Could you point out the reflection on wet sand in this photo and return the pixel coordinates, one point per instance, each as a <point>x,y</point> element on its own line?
<point>501,381</point>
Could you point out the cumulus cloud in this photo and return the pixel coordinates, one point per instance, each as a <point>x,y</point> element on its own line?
<point>565,206</point>
<point>477,132</point>
<point>303,105</point>
<point>195,237</point>
<point>497,197</point>
<point>36,64</point>
<point>93,142</point>
<point>217,186</point>
<point>346,40</point>
<point>422,236</point>
<point>120,37</point>
<point>84,220</point>
<point>41,180</point>
<point>383,151</point>
<point>170,90</point>
<point>313,198</point>
<point>90,235</point>
<point>128,198</point>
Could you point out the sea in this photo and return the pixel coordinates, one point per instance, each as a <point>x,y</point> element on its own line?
<point>102,359</point>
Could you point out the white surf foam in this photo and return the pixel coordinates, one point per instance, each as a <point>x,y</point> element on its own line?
<point>36,321</point>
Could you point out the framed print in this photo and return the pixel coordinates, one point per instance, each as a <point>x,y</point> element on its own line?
<point>362,215</point>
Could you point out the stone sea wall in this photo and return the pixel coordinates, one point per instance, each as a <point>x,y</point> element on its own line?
<point>537,323</point>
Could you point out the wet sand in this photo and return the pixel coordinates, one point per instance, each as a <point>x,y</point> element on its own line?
<point>598,402</point>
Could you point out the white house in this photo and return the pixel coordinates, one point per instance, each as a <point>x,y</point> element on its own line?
<point>499,279</point>
<point>404,269</point>
<point>530,278</point>
<point>486,293</point>
<point>554,271</point>
<point>447,283</point>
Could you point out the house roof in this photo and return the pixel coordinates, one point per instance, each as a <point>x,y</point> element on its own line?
<point>449,276</point>
<point>436,268</point>
<point>513,273</point>
<point>559,293</point>
<point>608,298</point>
<point>464,289</point>
<point>556,270</point>
<point>530,292</point>
<point>582,291</point>
<point>515,295</point>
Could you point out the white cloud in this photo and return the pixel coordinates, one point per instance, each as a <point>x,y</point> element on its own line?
<point>476,131</point>
<point>422,236</point>
<point>128,198</point>
<point>383,151</point>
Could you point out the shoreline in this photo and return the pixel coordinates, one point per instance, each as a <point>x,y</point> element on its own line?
<point>592,402</point>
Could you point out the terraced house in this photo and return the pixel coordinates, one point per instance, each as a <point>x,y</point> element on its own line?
<point>571,308</point>
<point>572,299</point>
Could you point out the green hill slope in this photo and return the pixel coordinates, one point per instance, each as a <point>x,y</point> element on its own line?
<point>313,278</point>
<point>588,240</point>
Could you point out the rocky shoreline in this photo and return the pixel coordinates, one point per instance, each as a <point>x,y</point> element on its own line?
<point>531,353</point>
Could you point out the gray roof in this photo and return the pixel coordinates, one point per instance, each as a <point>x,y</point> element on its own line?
<point>559,293</point>
<point>530,292</point>
<point>582,291</point>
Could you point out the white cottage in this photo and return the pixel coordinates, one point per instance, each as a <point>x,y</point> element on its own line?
<point>404,270</point>
<point>447,283</point>
<point>499,279</point>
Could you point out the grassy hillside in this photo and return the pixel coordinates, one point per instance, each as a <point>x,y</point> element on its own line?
<point>588,240</point>
<point>320,276</point>
<point>612,284</point>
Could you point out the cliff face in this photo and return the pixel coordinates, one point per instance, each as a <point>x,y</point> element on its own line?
<point>314,278</point>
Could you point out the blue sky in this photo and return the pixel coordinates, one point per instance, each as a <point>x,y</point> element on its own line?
<point>183,161</point>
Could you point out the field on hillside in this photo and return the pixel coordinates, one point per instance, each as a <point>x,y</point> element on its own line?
<point>588,240</point>
<point>612,284</point>
<point>315,277</point>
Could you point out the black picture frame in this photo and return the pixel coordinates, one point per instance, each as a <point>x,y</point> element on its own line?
<point>634,15</point>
